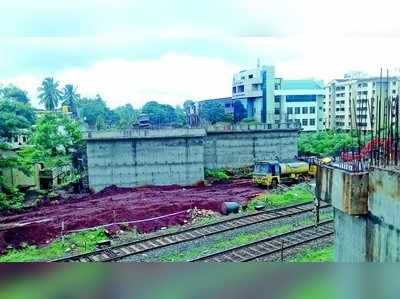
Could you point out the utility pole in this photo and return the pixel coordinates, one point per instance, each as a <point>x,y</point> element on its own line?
<point>316,210</point>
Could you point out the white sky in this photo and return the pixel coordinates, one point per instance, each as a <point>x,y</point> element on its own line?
<point>170,51</point>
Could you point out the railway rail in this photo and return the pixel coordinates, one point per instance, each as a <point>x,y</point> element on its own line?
<point>271,245</point>
<point>121,251</point>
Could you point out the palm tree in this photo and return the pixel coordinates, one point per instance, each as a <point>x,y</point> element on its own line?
<point>71,97</point>
<point>49,94</point>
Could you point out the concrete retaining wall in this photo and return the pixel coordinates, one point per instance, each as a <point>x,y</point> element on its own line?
<point>143,160</point>
<point>242,148</point>
<point>179,156</point>
<point>367,209</point>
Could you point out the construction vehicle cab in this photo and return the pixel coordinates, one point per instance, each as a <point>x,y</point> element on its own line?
<point>272,173</point>
<point>266,173</point>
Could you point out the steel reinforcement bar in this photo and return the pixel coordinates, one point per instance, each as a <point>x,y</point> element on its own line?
<point>140,246</point>
<point>271,245</point>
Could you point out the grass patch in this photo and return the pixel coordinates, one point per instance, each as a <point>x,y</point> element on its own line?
<point>73,242</point>
<point>295,195</point>
<point>223,244</point>
<point>325,254</point>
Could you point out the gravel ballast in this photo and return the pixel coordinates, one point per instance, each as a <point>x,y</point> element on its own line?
<point>162,253</point>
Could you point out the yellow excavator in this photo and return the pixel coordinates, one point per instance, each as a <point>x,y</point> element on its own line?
<point>272,173</point>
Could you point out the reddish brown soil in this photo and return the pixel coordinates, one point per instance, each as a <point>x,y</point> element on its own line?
<point>115,204</point>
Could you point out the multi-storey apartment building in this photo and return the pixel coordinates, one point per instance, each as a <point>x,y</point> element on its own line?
<point>353,102</point>
<point>274,100</point>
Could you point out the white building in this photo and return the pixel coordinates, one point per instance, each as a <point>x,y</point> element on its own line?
<point>273,100</point>
<point>300,101</point>
<point>255,89</point>
<point>350,102</point>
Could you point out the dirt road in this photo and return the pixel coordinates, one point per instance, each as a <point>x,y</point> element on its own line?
<point>113,205</point>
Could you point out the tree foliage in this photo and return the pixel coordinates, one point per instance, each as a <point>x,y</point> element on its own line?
<point>126,116</point>
<point>324,143</point>
<point>181,117</point>
<point>14,93</point>
<point>160,114</point>
<point>14,116</point>
<point>55,135</point>
<point>70,98</point>
<point>49,94</point>
<point>212,112</point>
<point>239,111</point>
<point>95,113</point>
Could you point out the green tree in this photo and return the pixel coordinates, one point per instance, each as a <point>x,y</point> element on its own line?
<point>14,116</point>
<point>181,117</point>
<point>126,116</point>
<point>95,112</point>
<point>55,135</point>
<point>239,111</point>
<point>14,93</point>
<point>70,98</point>
<point>160,114</point>
<point>324,143</point>
<point>212,112</point>
<point>187,105</point>
<point>49,94</point>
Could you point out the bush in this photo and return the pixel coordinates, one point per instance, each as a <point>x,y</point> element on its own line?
<point>12,201</point>
<point>218,174</point>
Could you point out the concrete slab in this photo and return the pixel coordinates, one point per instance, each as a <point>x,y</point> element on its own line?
<point>346,191</point>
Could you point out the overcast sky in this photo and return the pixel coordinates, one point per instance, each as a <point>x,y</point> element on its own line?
<point>132,51</point>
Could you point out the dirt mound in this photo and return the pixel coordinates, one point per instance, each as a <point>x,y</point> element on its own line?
<point>147,208</point>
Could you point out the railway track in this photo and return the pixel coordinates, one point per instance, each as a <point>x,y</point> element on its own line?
<point>140,246</point>
<point>271,245</point>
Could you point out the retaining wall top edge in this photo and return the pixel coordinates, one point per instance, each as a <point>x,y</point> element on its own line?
<point>144,134</point>
<point>390,169</point>
<point>174,133</point>
<point>344,170</point>
<point>213,131</point>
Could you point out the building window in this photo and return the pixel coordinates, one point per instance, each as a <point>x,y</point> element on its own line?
<point>240,88</point>
<point>277,99</point>
<point>290,110</point>
<point>297,110</point>
<point>277,111</point>
<point>254,87</point>
<point>312,110</point>
<point>312,122</point>
<point>301,98</point>
<point>394,91</point>
<point>251,76</point>
<point>305,110</point>
<point>304,122</point>
<point>234,90</point>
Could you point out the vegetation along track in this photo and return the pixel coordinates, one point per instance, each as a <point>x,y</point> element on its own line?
<point>271,245</point>
<point>140,246</point>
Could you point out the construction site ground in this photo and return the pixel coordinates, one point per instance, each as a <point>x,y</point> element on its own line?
<point>147,209</point>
